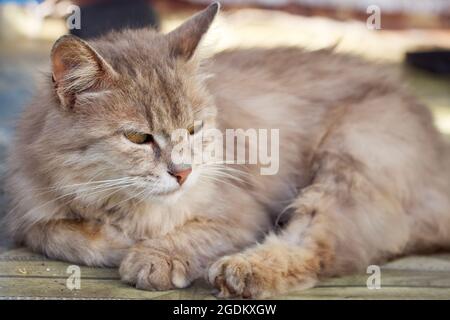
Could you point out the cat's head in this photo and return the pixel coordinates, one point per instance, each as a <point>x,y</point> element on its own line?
<point>118,100</point>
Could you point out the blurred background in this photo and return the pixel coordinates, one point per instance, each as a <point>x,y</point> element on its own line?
<point>412,36</point>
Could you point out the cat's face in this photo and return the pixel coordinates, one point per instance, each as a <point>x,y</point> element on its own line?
<point>121,99</point>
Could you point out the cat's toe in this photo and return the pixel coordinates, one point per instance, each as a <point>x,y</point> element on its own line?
<point>147,271</point>
<point>155,275</point>
<point>233,276</point>
<point>150,269</point>
<point>180,277</point>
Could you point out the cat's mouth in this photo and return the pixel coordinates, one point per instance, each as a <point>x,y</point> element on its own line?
<point>167,193</point>
<point>172,191</point>
<point>161,189</point>
<point>165,186</point>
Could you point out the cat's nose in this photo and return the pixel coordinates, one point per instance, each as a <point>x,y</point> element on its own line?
<point>181,174</point>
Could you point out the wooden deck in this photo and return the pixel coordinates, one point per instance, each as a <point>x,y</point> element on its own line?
<point>25,275</point>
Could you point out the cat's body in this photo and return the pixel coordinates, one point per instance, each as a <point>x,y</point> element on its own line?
<point>363,174</point>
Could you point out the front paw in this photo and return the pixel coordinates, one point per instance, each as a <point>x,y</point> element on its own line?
<point>235,276</point>
<point>256,277</point>
<point>154,269</point>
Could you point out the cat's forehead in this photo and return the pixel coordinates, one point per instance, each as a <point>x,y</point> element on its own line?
<point>162,98</point>
<point>160,88</point>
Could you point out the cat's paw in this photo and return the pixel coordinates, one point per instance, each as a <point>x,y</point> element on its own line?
<point>153,269</point>
<point>236,276</point>
<point>254,277</point>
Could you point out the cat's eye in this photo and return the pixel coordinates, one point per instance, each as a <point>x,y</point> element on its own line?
<point>139,138</point>
<point>196,127</point>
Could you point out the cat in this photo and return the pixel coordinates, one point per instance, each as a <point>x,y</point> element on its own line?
<point>363,175</point>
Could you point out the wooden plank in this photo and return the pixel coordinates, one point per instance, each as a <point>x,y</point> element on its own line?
<point>55,269</point>
<point>394,278</point>
<point>437,262</point>
<point>51,269</point>
<point>364,293</point>
<point>394,284</point>
<point>25,274</point>
<point>55,288</point>
<point>200,290</point>
<point>20,254</point>
<point>112,289</point>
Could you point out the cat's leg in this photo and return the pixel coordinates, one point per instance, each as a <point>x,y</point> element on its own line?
<point>183,255</point>
<point>341,223</point>
<point>79,241</point>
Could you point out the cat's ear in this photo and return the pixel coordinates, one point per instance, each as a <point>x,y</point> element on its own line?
<point>184,40</point>
<point>76,68</point>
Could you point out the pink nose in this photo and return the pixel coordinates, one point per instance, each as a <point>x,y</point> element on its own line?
<point>181,175</point>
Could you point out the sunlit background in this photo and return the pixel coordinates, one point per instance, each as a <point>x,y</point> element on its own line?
<point>28,29</point>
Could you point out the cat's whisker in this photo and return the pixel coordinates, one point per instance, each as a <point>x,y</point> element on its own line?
<point>218,180</point>
<point>99,186</point>
<point>224,167</point>
<point>53,189</point>
<point>57,187</point>
<point>223,162</point>
<point>131,198</point>
<point>102,189</point>
<point>145,195</point>
<point>71,194</point>
<point>223,174</point>
<point>92,182</point>
<point>115,190</point>
<point>221,167</point>
<point>89,188</point>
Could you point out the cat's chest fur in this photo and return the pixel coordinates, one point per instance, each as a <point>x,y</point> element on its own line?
<point>154,220</point>
<point>151,218</point>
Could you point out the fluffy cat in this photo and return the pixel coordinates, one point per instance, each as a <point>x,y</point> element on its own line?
<point>363,175</point>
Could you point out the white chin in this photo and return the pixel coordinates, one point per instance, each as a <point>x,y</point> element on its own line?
<point>168,197</point>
